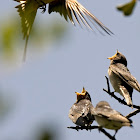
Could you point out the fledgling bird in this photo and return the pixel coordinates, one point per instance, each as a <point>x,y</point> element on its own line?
<point>109,118</point>
<point>120,77</point>
<point>71,9</point>
<point>80,112</point>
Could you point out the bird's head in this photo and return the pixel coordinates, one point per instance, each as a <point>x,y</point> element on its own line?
<point>118,58</point>
<point>83,95</point>
<point>103,104</point>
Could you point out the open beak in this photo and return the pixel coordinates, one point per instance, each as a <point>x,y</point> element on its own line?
<point>111,58</point>
<point>82,93</point>
<point>114,56</point>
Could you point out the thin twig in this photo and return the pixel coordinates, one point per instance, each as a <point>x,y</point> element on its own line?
<point>114,96</point>
<point>91,128</point>
<point>107,134</point>
<point>133,113</point>
<point>84,127</point>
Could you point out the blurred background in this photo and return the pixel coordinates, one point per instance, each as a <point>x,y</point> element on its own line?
<point>35,96</point>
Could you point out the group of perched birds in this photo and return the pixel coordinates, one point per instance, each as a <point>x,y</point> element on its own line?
<point>82,113</point>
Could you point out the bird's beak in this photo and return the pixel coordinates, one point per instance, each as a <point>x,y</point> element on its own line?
<point>117,51</point>
<point>80,93</point>
<point>111,58</point>
<point>83,91</point>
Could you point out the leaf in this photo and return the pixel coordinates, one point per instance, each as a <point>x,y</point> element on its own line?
<point>127,8</point>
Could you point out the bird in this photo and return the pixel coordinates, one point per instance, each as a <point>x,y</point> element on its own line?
<point>80,112</point>
<point>109,118</point>
<point>70,9</point>
<point>121,79</point>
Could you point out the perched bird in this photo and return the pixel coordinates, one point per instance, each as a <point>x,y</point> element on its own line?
<point>109,118</point>
<point>68,8</point>
<point>120,77</point>
<point>80,112</point>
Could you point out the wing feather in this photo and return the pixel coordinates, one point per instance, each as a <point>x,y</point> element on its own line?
<point>125,75</point>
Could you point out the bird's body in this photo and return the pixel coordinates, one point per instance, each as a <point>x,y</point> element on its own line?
<point>109,118</point>
<point>120,86</point>
<point>70,9</point>
<point>121,79</point>
<point>80,112</point>
<point>115,83</point>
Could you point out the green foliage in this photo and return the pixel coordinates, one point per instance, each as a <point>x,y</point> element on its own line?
<point>46,136</point>
<point>7,38</point>
<point>11,38</point>
<point>127,8</point>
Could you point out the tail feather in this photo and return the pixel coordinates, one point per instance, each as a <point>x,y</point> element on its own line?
<point>77,13</point>
<point>96,20</point>
<point>126,95</point>
<point>76,10</point>
<point>129,123</point>
<point>83,13</point>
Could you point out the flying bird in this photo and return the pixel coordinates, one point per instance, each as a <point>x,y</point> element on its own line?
<point>70,9</point>
<point>109,118</point>
<point>120,77</point>
<point>81,112</point>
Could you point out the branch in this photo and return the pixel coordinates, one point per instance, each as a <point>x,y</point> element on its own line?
<point>133,113</point>
<point>114,96</point>
<point>93,127</point>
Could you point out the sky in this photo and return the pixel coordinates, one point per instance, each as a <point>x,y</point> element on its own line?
<point>42,89</point>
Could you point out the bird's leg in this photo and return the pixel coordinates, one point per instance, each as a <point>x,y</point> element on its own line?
<point>115,133</point>
<point>77,128</point>
<point>99,128</point>
<point>112,93</point>
<point>43,6</point>
<point>123,99</point>
<point>88,127</point>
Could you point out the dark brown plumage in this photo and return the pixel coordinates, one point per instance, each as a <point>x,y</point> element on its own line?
<point>80,112</point>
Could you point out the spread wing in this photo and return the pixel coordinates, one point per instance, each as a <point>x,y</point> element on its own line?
<point>57,6</point>
<point>125,75</point>
<point>71,8</point>
<point>27,14</point>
